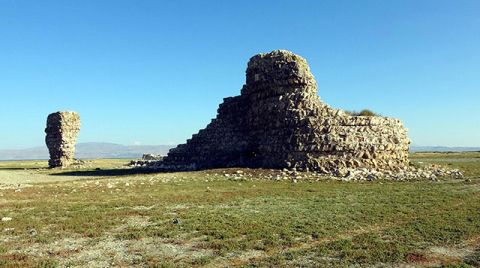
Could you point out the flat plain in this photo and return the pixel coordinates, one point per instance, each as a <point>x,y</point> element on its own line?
<point>105,214</point>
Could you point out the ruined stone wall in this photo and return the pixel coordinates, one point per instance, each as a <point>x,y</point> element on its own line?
<point>62,131</point>
<point>279,121</point>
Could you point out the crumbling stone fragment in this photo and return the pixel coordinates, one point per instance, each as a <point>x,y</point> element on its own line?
<point>62,131</point>
<point>279,121</point>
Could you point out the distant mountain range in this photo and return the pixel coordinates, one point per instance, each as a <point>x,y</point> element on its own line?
<point>92,150</point>
<point>89,150</point>
<point>414,148</point>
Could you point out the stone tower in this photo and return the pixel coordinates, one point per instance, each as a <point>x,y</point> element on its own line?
<point>279,121</point>
<point>62,131</point>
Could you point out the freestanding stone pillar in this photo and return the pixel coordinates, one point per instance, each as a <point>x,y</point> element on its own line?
<point>62,131</point>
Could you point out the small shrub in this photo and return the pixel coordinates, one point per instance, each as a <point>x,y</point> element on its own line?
<point>48,263</point>
<point>204,260</point>
<point>42,239</point>
<point>364,112</point>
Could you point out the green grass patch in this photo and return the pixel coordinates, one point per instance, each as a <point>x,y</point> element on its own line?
<point>247,223</point>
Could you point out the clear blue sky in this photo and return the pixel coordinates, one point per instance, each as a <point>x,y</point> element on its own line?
<point>154,72</point>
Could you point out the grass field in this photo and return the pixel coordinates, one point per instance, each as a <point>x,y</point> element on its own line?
<point>108,215</point>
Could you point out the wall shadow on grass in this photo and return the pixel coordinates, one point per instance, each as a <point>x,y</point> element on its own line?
<point>108,172</point>
<point>18,168</point>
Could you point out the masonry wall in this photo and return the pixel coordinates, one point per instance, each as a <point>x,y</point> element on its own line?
<point>279,121</point>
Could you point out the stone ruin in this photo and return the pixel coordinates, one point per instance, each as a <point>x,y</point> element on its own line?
<point>279,122</point>
<point>62,131</point>
<point>151,157</point>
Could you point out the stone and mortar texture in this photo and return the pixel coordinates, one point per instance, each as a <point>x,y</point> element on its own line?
<point>62,131</point>
<point>279,121</point>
